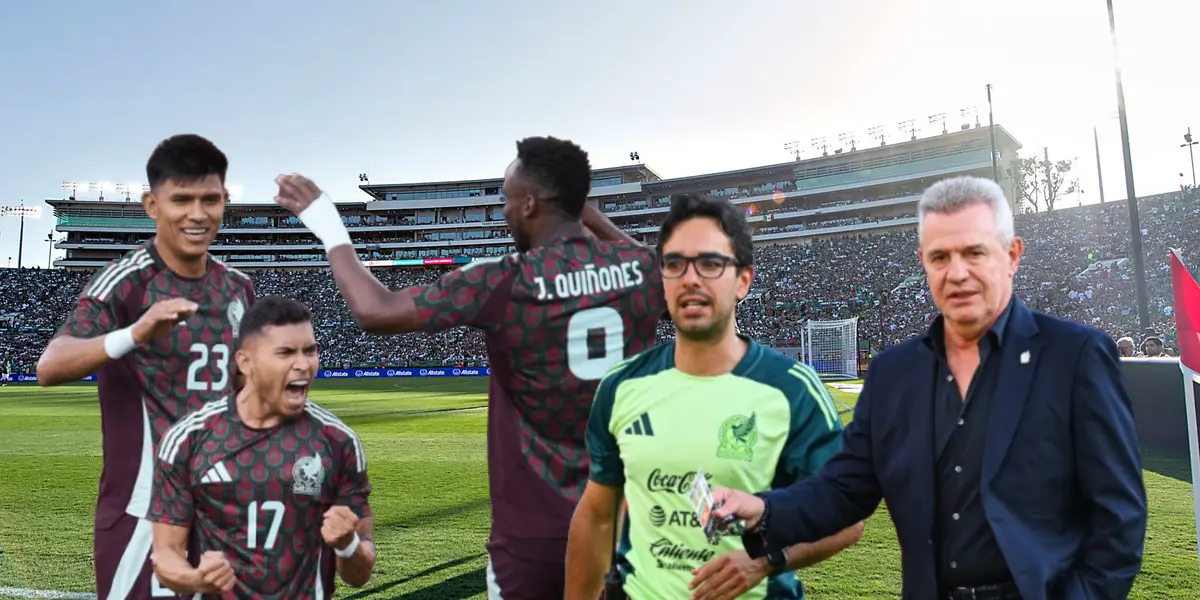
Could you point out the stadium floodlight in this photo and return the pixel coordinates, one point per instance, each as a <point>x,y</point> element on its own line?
<point>22,211</point>
<point>877,132</point>
<point>967,113</point>
<point>634,156</point>
<point>820,144</point>
<point>363,178</point>
<point>50,252</point>
<point>234,190</point>
<point>908,126</point>
<point>848,140</point>
<point>1188,143</point>
<point>793,148</point>
<point>73,187</point>
<point>938,118</point>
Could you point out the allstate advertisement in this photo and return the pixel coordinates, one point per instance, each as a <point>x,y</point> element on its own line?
<point>404,372</point>
<point>342,373</point>
<point>32,378</point>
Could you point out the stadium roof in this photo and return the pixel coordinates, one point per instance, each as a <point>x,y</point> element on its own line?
<point>630,173</point>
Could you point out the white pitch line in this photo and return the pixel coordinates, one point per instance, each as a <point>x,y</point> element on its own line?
<point>48,594</point>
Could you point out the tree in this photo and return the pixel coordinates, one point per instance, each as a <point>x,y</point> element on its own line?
<point>1026,183</point>
<point>1056,178</point>
<point>1039,181</point>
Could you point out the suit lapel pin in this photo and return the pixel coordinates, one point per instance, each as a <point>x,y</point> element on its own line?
<point>1025,357</point>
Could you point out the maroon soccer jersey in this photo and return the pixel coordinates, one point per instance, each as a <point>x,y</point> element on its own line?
<point>148,390</point>
<point>557,318</point>
<point>260,495</point>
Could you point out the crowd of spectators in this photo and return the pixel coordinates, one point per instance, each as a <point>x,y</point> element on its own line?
<point>1073,267</point>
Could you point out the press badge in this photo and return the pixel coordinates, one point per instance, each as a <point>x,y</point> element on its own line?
<point>702,505</point>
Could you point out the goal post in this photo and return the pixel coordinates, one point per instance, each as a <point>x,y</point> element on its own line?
<point>831,348</point>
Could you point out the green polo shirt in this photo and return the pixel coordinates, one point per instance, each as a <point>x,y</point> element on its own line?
<point>765,425</point>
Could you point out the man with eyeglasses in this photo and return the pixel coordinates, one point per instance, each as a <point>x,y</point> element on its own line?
<point>711,400</point>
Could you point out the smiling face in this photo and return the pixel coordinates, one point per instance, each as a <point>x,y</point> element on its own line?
<point>970,268</point>
<point>702,280</point>
<point>187,216</point>
<point>279,364</point>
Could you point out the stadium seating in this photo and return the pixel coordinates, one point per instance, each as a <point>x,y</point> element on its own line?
<point>827,279</point>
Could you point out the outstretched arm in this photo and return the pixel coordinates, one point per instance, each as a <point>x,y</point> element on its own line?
<point>844,493</point>
<point>1109,475</point>
<point>376,308</point>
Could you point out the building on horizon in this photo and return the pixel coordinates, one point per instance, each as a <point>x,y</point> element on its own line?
<point>861,191</point>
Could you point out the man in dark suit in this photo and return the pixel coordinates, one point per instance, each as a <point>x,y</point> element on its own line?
<point>1002,439</point>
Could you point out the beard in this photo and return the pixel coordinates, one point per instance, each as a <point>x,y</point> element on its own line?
<point>706,332</point>
<point>520,239</point>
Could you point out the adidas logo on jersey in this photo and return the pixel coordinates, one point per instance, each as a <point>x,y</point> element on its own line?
<point>217,474</point>
<point>641,426</point>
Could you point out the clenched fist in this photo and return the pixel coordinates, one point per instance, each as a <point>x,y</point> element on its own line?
<point>296,192</point>
<point>162,318</point>
<point>216,574</point>
<point>339,527</point>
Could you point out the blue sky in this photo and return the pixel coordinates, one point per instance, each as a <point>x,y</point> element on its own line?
<point>417,91</point>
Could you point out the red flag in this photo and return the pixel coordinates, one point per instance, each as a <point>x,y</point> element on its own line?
<point>1187,313</point>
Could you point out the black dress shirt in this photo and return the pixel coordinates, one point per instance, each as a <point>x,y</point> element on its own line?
<point>966,548</point>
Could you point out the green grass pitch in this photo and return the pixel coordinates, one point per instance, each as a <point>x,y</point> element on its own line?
<point>425,446</point>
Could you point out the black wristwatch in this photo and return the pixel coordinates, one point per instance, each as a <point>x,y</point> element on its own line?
<point>761,525</point>
<point>777,558</point>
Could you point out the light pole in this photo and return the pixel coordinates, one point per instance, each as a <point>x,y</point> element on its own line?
<point>50,251</point>
<point>1135,226</point>
<point>992,134</point>
<point>1187,141</point>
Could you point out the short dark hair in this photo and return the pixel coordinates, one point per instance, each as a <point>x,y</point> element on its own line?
<point>271,311</point>
<point>186,157</point>
<point>560,167</point>
<point>686,207</point>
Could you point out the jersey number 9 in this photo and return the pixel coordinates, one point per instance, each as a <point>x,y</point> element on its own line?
<point>579,360</point>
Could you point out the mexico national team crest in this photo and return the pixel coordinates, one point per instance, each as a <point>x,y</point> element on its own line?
<point>307,475</point>
<point>737,437</point>
<point>234,314</point>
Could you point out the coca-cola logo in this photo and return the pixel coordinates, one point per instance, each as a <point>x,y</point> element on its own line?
<point>658,481</point>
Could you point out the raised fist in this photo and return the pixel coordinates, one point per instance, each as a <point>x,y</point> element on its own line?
<point>162,318</point>
<point>296,192</point>
<point>339,527</point>
<point>216,574</point>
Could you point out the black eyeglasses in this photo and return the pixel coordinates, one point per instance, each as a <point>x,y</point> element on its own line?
<point>709,265</point>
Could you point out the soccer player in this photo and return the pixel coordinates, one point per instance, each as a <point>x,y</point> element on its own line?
<point>711,399</point>
<point>157,326</point>
<point>275,486</point>
<point>558,314</point>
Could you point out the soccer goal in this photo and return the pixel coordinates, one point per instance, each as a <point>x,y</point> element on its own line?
<point>831,348</point>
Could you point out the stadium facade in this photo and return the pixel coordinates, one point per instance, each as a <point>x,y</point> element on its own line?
<point>850,192</point>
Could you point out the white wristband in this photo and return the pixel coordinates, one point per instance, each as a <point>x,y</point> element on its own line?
<point>349,551</point>
<point>322,218</point>
<point>119,343</point>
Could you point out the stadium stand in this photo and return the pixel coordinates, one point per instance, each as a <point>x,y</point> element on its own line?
<point>1074,267</point>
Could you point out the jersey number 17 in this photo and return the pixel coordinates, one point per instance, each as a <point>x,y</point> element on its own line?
<point>580,361</point>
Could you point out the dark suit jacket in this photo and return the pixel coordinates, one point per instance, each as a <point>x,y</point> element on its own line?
<point>1061,484</point>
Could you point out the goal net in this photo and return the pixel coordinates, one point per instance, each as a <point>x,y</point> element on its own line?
<point>831,348</point>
